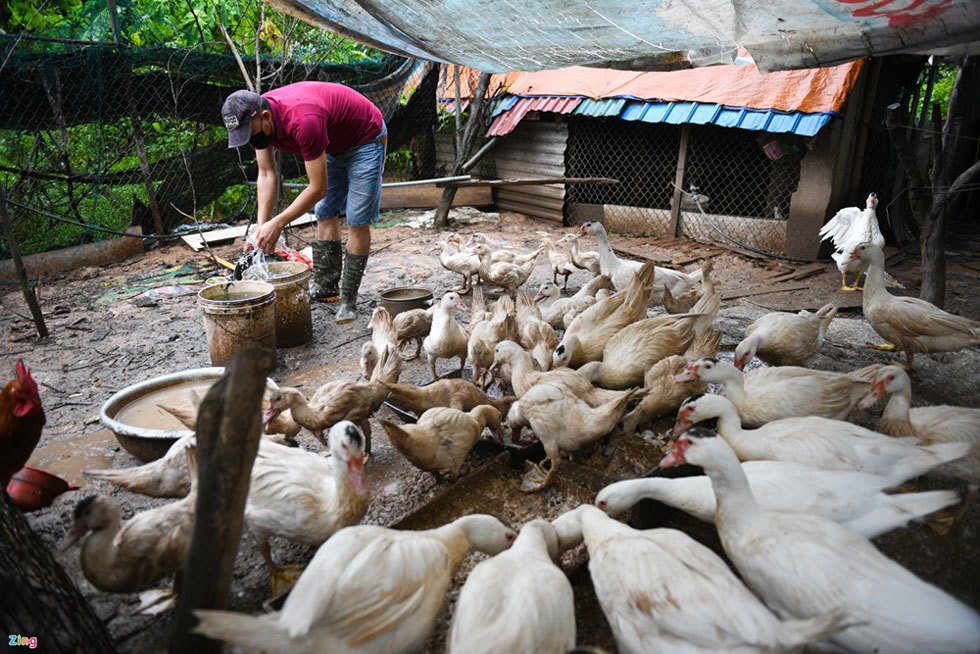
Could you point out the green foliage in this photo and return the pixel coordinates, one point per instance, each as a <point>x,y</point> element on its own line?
<point>941,90</point>
<point>401,163</point>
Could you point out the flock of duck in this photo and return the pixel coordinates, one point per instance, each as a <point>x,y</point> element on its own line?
<point>794,490</point>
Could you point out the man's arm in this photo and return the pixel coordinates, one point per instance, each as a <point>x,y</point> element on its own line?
<point>270,228</point>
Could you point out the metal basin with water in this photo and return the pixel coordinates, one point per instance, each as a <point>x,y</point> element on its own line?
<point>146,431</point>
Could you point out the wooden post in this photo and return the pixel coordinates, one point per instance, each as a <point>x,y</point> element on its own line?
<point>675,201</point>
<point>25,287</point>
<point>228,430</point>
<point>151,195</point>
<point>441,217</point>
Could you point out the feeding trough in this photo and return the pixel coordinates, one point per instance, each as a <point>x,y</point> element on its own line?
<point>144,429</point>
<point>405,298</point>
<point>32,488</point>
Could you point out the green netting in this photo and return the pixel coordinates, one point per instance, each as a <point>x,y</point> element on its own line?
<point>75,116</point>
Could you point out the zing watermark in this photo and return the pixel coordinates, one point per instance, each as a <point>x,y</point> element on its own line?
<point>27,641</point>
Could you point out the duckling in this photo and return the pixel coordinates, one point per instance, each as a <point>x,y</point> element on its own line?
<point>518,601</point>
<point>446,339</point>
<point>584,259</point>
<point>682,303</point>
<point>334,401</point>
<point>561,262</point>
<point>563,422</point>
<point>484,335</point>
<point>908,323</point>
<point>662,395</point>
<point>636,347</point>
<point>151,545</point>
<point>367,589</point>
<point>463,263</point>
<point>454,393</point>
<point>505,255</point>
<point>304,497</point>
<point>588,334</point>
<point>504,274</point>
<point>561,311</point>
<point>442,437</point>
<point>413,324</point>
<point>534,334</point>
<point>383,335</point>
<point>785,339</point>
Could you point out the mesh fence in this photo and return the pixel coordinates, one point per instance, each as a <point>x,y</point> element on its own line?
<point>36,596</point>
<point>114,135</point>
<point>744,181</point>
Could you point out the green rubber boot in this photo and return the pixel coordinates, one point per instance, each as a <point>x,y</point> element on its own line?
<point>327,260</point>
<point>354,265</point>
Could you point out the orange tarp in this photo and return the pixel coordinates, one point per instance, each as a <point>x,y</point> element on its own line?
<point>810,90</point>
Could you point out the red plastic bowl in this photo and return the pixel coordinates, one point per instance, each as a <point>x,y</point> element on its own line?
<point>33,488</point>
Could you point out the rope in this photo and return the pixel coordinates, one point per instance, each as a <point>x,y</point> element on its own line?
<point>694,196</point>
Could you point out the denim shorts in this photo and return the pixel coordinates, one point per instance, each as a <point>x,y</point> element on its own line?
<point>354,183</point>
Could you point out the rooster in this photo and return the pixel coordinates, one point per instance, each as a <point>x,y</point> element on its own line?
<point>21,420</point>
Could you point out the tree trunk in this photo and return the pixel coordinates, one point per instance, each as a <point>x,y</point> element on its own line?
<point>440,219</point>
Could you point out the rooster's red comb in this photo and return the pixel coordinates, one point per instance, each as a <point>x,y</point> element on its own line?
<point>24,374</point>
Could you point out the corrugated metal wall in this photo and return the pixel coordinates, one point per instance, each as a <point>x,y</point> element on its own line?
<point>534,149</point>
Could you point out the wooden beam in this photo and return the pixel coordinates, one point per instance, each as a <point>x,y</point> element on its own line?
<point>229,424</point>
<point>798,273</point>
<point>528,181</point>
<point>737,293</point>
<point>25,287</point>
<point>675,201</point>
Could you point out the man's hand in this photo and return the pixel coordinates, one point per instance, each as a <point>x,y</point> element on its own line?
<point>266,237</point>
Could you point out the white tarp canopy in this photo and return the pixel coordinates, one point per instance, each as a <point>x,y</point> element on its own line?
<point>528,35</point>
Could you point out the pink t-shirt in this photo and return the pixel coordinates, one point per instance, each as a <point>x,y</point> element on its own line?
<point>316,117</point>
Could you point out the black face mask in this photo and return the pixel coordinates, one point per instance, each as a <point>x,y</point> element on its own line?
<point>260,140</point>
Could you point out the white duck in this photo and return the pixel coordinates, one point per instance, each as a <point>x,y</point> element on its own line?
<point>852,498</point>
<point>533,333</point>
<point>804,565</point>
<point>304,497</point>
<point>466,264</point>
<point>847,229</point>
<point>163,477</point>
<point>151,545</point>
<point>767,394</point>
<point>910,324</point>
<point>785,339</point>
<point>505,274</point>
<point>368,589</point>
<point>484,334</point>
<point>831,444</point>
<point>662,591</point>
<point>518,601</point>
<point>446,338</point>
<point>560,312</point>
<point>930,424</point>
<point>620,271</point>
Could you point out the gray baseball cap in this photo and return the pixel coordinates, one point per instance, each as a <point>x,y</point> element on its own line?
<point>237,113</point>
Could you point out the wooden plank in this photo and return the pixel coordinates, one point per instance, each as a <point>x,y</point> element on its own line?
<point>778,272</point>
<point>402,197</point>
<point>529,181</point>
<point>698,257</point>
<point>799,273</point>
<point>737,293</point>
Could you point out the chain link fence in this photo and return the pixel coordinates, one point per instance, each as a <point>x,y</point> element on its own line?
<point>744,179</point>
<point>112,135</point>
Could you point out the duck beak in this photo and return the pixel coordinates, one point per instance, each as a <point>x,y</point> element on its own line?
<point>876,393</point>
<point>539,296</point>
<point>581,230</point>
<point>270,415</point>
<point>674,458</point>
<point>355,472</point>
<point>681,426</point>
<point>741,361</point>
<point>691,374</point>
<point>76,531</point>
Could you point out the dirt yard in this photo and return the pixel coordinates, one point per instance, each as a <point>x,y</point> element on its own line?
<point>121,324</point>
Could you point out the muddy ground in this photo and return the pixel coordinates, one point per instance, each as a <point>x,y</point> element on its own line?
<point>106,336</point>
